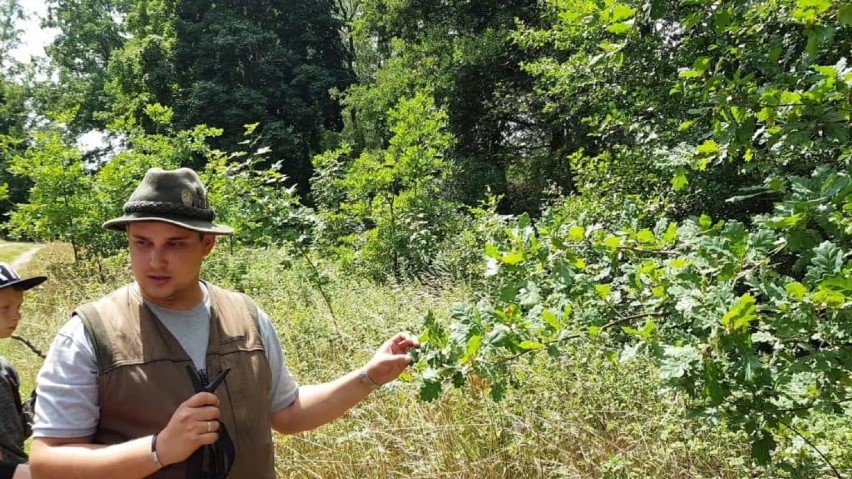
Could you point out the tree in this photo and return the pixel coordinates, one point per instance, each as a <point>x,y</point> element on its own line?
<point>665,94</point>
<point>268,62</point>
<point>59,200</point>
<point>465,54</point>
<point>13,107</point>
<point>89,32</point>
<point>387,203</point>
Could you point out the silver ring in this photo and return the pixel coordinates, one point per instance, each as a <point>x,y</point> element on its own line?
<point>209,426</point>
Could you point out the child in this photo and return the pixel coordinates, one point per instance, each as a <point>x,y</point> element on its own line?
<point>14,421</point>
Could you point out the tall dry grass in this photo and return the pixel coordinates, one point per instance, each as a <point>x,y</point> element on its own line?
<point>581,416</point>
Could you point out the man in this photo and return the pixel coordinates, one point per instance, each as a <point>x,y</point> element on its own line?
<point>14,417</point>
<point>119,391</point>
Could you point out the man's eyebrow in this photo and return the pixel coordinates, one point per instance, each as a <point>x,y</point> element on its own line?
<point>170,238</point>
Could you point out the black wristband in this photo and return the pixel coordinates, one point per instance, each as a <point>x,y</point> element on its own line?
<point>154,456</point>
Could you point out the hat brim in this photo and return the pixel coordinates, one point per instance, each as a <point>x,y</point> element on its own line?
<point>26,283</point>
<point>120,223</point>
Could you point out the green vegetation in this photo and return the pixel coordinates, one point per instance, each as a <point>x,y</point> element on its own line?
<point>10,251</point>
<point>584,416</point>
<point>621,228</point>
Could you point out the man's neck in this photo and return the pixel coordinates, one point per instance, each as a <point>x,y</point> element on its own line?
<point>185,301</point>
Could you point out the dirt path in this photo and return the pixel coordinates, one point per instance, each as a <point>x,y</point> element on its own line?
<point>25,257</point>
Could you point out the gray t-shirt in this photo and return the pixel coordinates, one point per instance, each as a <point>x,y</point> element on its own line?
<point>67,384</point>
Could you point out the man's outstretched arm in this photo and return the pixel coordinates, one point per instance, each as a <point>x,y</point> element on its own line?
<point>322,403</point>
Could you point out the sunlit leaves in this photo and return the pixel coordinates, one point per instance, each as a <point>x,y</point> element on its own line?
<point>797,289</point>
<point>709,299</point>
<point>393,195</point>
<point>827,260</point>
<point>741,314</point>
<point>679,181</point>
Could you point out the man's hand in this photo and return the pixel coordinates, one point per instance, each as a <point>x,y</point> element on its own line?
<point>195,423</point>
<point>391,359</point>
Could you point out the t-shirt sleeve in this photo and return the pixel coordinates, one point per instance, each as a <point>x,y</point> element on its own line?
<point>67,386</point>
<point>284,388</point>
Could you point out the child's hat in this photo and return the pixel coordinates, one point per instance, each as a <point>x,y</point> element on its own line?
<point>8,277</point>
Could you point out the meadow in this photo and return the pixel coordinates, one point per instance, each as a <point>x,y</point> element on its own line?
<point>583,416</point>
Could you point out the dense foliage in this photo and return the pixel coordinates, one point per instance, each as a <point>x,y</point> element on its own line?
<point>223,64</point>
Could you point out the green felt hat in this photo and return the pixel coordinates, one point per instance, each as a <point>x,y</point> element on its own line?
<point>171,196</point>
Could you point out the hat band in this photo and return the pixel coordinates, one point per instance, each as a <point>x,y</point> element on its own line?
<point>162,208</point>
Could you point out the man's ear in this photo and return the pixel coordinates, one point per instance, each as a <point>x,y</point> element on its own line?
<point>207,243</point>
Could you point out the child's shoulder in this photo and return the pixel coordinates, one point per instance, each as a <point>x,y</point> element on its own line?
<point>6,368</point>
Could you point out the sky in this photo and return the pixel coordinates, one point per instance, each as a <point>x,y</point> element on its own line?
<point>33,41</point>
<point>33,38</point>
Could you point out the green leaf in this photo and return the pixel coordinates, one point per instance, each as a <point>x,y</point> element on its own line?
<point>827,261</point>
<point>741,314</point>
<point>709,147</point>
<point>531,345</point>
<point>514,257</point>
<point>701,64</point>
<point>603,290</point>
<point>647,330</point>
<point>819,6</point>
<point>529,295</point>
<point>840,284</point>
<point>827,71</point>
<point>622,12</point>
<point>844,14</point>
<point>498,391</point>
<point>791,97</point>
<point>677,361</point>
<point>752,365</point>
<point>646,236</point>
<point>492,251</point>
<point>620,28</point>
<point>431,386</point>
<point>784,222</point>
<point>576,233</point>
<point>612,242</point>
<point>712,385</point>
<point>671,233</point>
<point>553,351</point>
<point>689,73</point>
<point>679,181</point>
<point>797,290</point>
<point>551,319</point>
<point>498,336</point>
<point>834,292</point>
<point>761,449</point>
<point>658,9</point>
<point>472,348</point>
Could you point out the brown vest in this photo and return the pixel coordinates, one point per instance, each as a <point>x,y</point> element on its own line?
<point>142,376</point>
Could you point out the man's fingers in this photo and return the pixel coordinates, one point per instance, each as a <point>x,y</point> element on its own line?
<point>201,400</point>
<point>208,427</point>
<point>401,343</point>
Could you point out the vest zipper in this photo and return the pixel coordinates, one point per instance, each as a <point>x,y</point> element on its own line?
<point>201,382</point>
<point>202,375</point>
